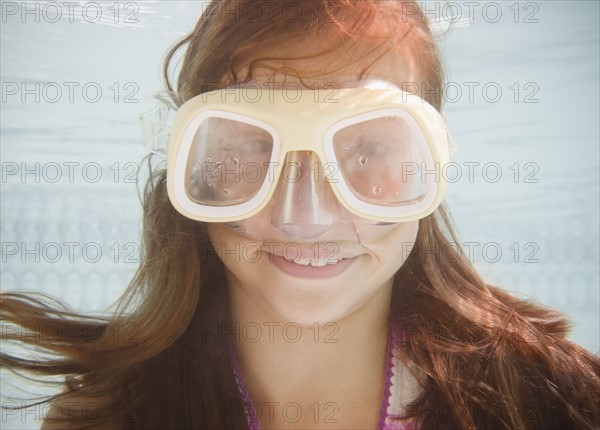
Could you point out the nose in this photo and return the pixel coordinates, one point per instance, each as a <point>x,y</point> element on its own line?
<point>304,206</point>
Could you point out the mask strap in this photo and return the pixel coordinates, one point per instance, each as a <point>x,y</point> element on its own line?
<point>157,124</point>
<point>452,145</point>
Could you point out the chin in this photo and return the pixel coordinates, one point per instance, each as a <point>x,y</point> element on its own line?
<point>320,311</point>
<point>309,319</point>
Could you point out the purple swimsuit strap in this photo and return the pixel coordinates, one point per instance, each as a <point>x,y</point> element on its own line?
<point>389,362</point>
<point>253,423</point>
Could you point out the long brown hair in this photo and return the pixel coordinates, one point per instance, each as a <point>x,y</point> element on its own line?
<point>484,359</point>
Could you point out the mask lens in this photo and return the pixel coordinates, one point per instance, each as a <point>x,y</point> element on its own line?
<point>228,162</point>
<point>381,161</point>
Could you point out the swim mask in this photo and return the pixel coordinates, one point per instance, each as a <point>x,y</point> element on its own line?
<point>373,154</point>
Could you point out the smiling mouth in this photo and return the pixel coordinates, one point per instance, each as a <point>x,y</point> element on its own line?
<point>312,268</point>
<point>313,262</point>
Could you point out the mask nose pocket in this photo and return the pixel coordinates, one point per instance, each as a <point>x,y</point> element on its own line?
<point>304,206</point>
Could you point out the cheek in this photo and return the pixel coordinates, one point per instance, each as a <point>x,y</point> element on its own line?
<point>224,244</point>
<point>240,255</point>
<point>394,248</point>
<point>408,239</point>
<point>406,233</point>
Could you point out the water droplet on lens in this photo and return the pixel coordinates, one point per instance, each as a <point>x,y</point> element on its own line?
<point>376,189</point>
<point>363,159</point>
<point>196,169</point>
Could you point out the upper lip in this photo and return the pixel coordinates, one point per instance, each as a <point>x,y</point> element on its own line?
<point>311,251</point>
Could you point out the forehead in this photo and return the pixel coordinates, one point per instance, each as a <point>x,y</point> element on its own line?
<point>329,72</point>
<point>316,59</point>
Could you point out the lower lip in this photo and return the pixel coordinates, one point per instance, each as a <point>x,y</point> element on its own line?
<point>308,271</point>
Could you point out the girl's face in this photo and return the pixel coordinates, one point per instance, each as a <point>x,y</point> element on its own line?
<point>307,271</point>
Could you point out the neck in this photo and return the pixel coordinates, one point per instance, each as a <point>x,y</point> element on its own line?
<point>326,369</point>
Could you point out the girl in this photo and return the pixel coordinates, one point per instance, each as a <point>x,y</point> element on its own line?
<point>296,270</point>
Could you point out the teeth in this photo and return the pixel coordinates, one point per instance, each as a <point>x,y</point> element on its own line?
<point>313,263</point>
<point>318,263</point>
